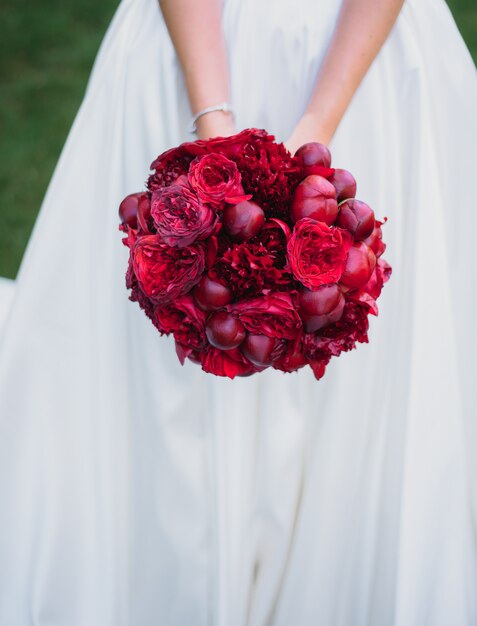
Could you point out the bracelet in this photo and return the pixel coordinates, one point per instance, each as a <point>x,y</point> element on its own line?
<point>225,106</point>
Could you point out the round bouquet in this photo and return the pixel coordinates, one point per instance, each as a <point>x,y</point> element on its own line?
<point>251,257</point>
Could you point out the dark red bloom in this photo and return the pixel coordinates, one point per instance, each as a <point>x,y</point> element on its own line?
<point>184,319</point>
<point>180,217</point>
<point>164,273</point>
<point>272,314</point>
<point>216,180</point>
<point>229,363</point>
<point>292,357</point>
<point>317,253</point>
<point>270,174</point>
<point>233,146</point>
<point>249,268</point>
<point>341,336</point>
<point>173,163</point>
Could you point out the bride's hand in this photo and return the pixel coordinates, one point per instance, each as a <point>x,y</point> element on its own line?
<point>308,129</point>
<point>215,124</point>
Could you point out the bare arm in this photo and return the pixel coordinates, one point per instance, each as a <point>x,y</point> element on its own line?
<point>196,32</point>
<point>361,30</point>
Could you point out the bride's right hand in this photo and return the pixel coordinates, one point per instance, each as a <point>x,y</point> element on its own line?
<point>308,129</point>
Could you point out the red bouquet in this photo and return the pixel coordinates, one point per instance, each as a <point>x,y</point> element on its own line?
<point>253,258</point>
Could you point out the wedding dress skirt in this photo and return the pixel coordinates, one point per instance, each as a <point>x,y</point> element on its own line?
<point>7,290</point>
<point>136,492</point>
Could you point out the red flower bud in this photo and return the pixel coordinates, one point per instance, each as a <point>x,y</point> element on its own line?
<point>224,331</point>
<point>375,240</point>
<point>314,153</point>
<point>344,183</point>
<point>359,266</point>
<point>357,217</point>
<point>243,220</point>
<point>315,197</point>
<point>259,349</point>
<point>321,307</point>
<point>211,295</point>
<point>128,209</point>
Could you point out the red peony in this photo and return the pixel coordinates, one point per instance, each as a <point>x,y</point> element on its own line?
<point>251,267</point>
<point>293,357</point>
<point>317,253</point>
<point>341,336</point>
<point>180,217</point>
<point>163,272</point>
<point>173,163</point>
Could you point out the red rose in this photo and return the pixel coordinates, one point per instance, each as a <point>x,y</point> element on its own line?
<point>272,314</point>
<point>180,217</point>
<point>317,253</point>
<point>216,180</point>
<point>164,273</point>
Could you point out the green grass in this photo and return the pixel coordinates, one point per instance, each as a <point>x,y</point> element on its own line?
<point>46,52</point>
<point>465,13</point>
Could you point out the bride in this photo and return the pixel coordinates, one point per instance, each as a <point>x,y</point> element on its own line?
<point>136,492</point>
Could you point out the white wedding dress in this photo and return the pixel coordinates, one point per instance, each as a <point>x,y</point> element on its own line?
<point>136,492</point>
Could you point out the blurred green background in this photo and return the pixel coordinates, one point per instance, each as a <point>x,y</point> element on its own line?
<point>46,52</point>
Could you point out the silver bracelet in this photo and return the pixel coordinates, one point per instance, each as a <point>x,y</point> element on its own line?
<point>225,106</point>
